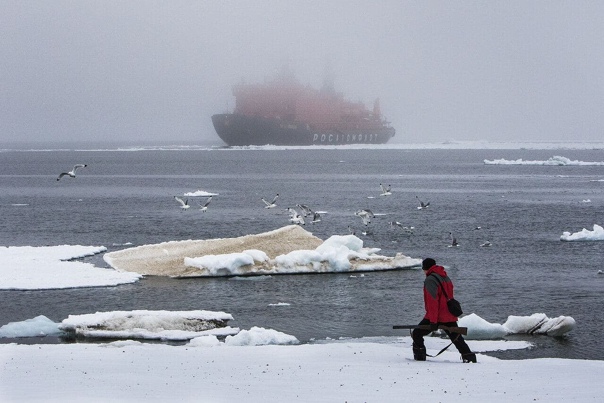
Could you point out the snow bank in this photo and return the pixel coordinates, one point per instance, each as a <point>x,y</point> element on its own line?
<point>353,371</point>
<point>258,336</point>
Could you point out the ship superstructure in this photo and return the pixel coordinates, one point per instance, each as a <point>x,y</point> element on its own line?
<point>285,112</point>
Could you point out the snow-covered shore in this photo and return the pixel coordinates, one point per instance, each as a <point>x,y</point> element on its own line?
<point>350,371</point>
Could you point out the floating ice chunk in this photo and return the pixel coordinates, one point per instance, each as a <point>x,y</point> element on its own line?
<point>142,324</point>
<point>51,267</point>
<point>287,250</point>
<point>38,326</point>
<point>480,329</point>
<point>555,160</point>
<point>584,235</point>
<point>200,193</point>
<point>538,323</point>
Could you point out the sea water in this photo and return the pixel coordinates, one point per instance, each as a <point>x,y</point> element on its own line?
<point>125,197</point>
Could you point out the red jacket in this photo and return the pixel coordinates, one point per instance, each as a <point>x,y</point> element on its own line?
<point>434,299</point>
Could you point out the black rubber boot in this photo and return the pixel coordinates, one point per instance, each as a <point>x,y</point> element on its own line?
<point>419,353</point>
<point>469,357</point>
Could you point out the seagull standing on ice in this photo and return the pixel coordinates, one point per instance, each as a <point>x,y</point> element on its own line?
<point>184,204</point>
<point>271,204</point>
<point>204,207</point>
<point>453,240</point>
<point>385,190</point>
<point>72,173</point>
<point>422,205</point>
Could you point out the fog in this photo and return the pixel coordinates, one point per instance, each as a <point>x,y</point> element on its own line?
<point>155,71</point>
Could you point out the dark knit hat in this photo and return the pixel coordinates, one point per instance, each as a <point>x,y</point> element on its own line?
<point>427,263</point>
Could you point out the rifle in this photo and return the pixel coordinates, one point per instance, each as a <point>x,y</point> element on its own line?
<point>460,330</point>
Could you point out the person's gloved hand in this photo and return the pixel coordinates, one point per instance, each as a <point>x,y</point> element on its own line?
<point>433,327</point>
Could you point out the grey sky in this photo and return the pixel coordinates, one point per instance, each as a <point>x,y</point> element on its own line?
<point>146,71</point>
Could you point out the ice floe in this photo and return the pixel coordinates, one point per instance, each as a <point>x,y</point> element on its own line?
<point>536,324</point>
<point>287,250</point>
<point>199,193</point>
<point>144,324</point>
<point>584,235</point>
<point>555,160</point>
<point>35,327</point>
<point>52,267</point>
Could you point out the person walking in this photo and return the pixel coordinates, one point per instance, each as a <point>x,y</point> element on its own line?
<point>437,312</point>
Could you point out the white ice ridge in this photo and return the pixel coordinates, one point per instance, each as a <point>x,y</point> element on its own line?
<point>537,323</point>
<point>584,235</point>
<point>51,267</point>
<point>144,324</point>
<point>555,160</point>
<point>286,250</point>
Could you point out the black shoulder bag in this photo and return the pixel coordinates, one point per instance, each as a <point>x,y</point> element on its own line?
<point>453,304</point>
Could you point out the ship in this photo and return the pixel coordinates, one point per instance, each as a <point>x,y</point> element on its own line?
<point>283,112</point>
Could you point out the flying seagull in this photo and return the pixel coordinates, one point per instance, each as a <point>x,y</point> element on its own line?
<point>271,204</point>
<point>306,211</point>
<point>72,173</point>
<point>204,207</point>
<point>184,204</point>
<point>366,215</point>
<point>316,217</point>
<point>385,190</point>
<point>422,205</point>
<point>295,217</point>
